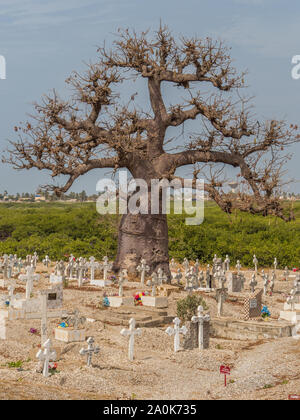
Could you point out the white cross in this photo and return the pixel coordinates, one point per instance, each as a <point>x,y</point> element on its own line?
<point>44,334</point>
<point>161,277</point>
<point>121,281</point>
<point>81,267</point>
<point>143,268</point>
<point>272,282</point>
<point>176,331</point>
<point>11,289</point>
<point>173,265</point>
<point>35,259</point>
<point>275,264</point>
<point>178,276</point>
<point>253,283</point>
<point>89,351</point>
<point>255,262</point>
<point>200,319</point>
<point>93,265</point>
<point>153,283</point>
<point>189,277</point>
<point>131,333</point>
<point>221,295</point>
<point>186,265</point>
<point>208,277</point>
<point>201,279</point>
<point>238,266</point>
<point>29,280</point>
<point>46,356</point>
<point>46,261</point>
<point>227,263</point>
<point>292,299</point>
<point>76,320</point>
<point>266,282</point>
<point>106,267</point>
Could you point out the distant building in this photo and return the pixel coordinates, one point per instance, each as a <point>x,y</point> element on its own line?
<point>39,197</point>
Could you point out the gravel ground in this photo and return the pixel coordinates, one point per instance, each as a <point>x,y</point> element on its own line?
<point>260,370</point>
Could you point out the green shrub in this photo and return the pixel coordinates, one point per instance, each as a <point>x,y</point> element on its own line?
<point>186,308</point>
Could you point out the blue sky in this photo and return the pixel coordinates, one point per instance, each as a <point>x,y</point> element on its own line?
<point>43,41</point>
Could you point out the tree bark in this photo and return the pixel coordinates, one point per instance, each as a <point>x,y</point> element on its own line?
<point>143,236</point>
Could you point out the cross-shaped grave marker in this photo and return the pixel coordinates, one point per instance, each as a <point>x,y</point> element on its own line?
<point>162,278</point>
<point>253,283</point>
<point>106,266</point>
<point>176,331</point>
<point>221,293</point>
<point>75,320</point>
<point>143,268</point>
<point>255,262</point>
<point>44,334</point>
<point>29,281</point>
<point>153,283</point>
<point>178,277</point>
<point>227,263</point>
<point>11,289</point>
<point>46,356</point>
<point>238,266</point>
<point>121,281</point>
<point>199,319</point>
<point>89,351</point>
<point>93,265</point>
<point>131,333</point>
<point>46,261</point>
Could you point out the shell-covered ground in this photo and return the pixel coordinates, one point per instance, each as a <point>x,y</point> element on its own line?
<point>265,369</point>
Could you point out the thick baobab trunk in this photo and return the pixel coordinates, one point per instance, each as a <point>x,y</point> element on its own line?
<point>143,236</point>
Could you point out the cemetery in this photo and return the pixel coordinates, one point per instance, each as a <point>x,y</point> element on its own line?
<point>63,336</point>
<point>175,273</point>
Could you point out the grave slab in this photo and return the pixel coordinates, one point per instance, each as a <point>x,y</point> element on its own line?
<point>69,335</point>
<point>227,328</point>
<point>117,301</point>
<point>291,316</point>
<point>155,301</point>
<point>100,283</point>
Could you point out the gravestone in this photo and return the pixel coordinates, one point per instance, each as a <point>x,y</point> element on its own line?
<point>54,296</point>
<point>253,306</point>
<point>235,282</point>
<point>190,340</point>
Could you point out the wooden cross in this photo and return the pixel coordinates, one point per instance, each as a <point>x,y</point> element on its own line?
<point>131,333</point>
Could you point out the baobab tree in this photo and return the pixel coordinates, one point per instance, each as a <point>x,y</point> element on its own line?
<point>95,129</point>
